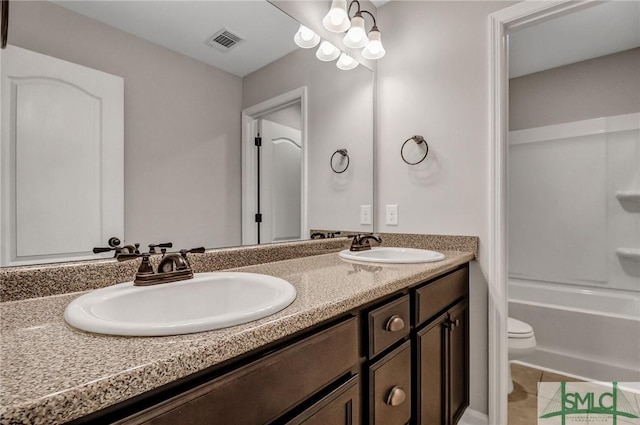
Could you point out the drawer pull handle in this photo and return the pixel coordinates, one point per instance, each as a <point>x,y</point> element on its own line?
<point>394,324</point>
<point>396,396</point>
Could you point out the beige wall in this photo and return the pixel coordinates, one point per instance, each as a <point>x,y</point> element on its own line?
<point>182,126</point>
<point>434,82</point>
<point>600,87</point>
<point>340,115</point>
<point>291,116</point>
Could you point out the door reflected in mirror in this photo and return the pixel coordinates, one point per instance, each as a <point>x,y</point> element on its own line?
<point>183,137</point>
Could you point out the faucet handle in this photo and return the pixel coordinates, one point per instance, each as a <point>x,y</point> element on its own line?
<point>152,247</point>
<point>145,266</point>
<point>199,250</point>
<point>114,245</point>
<point>98,250</point>
<point>129,256</point>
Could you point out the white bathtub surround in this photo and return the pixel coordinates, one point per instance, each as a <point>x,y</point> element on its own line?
<point>574,238</point>
<point>592,334</point>
<point>571,192</point>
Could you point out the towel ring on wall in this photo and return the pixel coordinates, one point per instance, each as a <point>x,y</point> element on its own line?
<point>344,154</point>
<point>419,140</point>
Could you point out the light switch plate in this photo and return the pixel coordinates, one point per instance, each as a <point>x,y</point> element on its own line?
<point>392,215</point>
<point>365,214</point>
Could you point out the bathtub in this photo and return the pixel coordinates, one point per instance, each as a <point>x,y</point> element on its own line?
<point>588,333</point>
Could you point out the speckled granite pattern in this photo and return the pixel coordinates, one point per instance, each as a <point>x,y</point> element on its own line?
<point>434,242</point>
<point>414,240</point>
<point>18,283</point>
<point>51,373</point>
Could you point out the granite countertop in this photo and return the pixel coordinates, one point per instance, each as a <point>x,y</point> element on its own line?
<point>51,373</point>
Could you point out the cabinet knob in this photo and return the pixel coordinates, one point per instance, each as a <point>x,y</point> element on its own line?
<point>394,324</point>
<point>452,324</point>
<point>396,396</point>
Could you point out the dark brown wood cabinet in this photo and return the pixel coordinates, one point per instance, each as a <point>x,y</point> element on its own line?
<point>457,383</point>
<point>390,388</point>
<point>430,372</point>
<point>340,407</point>
<point>264,390</point>
<point>403,360</point>
<point>442,359</point>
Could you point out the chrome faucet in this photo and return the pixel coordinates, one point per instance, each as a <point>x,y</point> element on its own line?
<point>173,267</point>
<point>361,242</point>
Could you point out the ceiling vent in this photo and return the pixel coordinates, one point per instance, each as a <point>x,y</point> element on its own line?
<point>224,40</point>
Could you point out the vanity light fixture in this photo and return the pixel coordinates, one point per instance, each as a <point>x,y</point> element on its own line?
<point>337,19</point>
<point>346,62</point>
<point>356,36</point>
<point>374,50</point>
<point>306,38</point>
<point>327,51</point>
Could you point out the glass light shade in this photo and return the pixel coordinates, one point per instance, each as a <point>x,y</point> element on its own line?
<point>306,38</point>
<point>327,51</point>
<point>346,62</point>
<point>337,19</point>
<point>356,37</point>
<point>374,49</point>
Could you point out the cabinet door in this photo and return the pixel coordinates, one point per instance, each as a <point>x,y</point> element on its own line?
<point>431,363</point>
<point>340,407</point>
<point>390,388</point>
<point>458,360</point>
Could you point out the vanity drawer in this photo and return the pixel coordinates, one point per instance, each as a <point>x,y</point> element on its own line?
<point>441,293</point>
<point>388,324</point>
<point>390,388</point>
<point>261,391</point>
<point>341,407</point>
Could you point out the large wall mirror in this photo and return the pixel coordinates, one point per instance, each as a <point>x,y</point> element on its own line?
<point>162,101</point>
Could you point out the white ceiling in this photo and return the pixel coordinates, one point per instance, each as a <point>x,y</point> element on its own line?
<point>183,26</point>
<point>595,31</point>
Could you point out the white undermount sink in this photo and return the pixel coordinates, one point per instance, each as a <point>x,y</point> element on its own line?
<point>383,254</point>
<point>206,302</point>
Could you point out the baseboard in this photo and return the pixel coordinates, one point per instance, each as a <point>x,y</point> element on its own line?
<point>473,417</point>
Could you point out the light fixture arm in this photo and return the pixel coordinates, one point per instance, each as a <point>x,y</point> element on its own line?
<point>375,26</point>
<point>349,8</point>
<point>359,12</point>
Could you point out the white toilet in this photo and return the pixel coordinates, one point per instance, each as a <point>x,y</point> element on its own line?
<point>522,342</point>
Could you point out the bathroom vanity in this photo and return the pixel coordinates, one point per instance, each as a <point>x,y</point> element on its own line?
<point>356,368</point>
<point>361,344</point>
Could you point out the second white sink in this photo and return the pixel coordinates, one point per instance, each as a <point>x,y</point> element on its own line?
<point>206,302</point>
<point>383,254</point>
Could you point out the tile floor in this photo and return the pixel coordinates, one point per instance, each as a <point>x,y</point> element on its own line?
<point>523,401</point>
